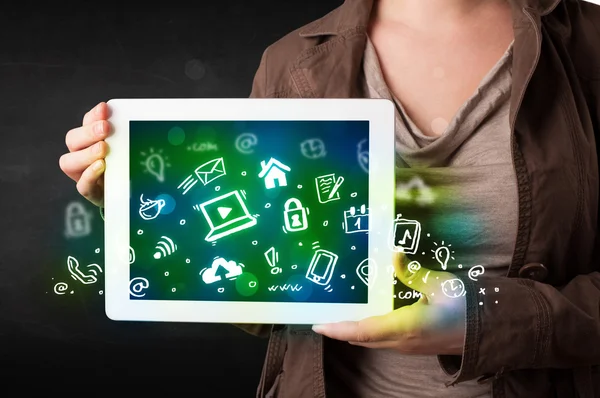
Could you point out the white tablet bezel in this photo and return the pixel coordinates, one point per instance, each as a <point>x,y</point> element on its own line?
<point>119,306</point>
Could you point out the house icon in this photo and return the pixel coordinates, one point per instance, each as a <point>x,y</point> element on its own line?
<point>273,170</point>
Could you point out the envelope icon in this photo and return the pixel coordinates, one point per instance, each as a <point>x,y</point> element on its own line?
<point>210,171</point>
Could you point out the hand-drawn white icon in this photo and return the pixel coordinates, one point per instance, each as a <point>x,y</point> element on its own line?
<point>424,279</point>
<point>328,187</point>
<point>225,215</point>
<point>354,222</point>
<point>61,288</point>
<point>411,294</point>
<point>165,247</point>
<point>362,155</point>
<point>187,184</point>
<point>313,148</point>
<point>206,173</point>
<point>272,171</point>
<point>423,194</point>
<point>272,257</point>
<point>245,143</point>
<point>413,267</point>
<point>87,276</point>
<point>443,254</point>
<point>321,267</point>
<point>131,255</point>
<point>476,271</point>
<point>453,288</point>
<point>137,286</point>
<point>285,287</point>
<point>150,209</point>
<point>155,164</point>
<point>405,235</point>
<point>367,271</point>
<point>77,221</point>
<point>212,274</point>
<point>203,147</point>
<point>295,218</point>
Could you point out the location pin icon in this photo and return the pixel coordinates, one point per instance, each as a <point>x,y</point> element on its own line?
<point>367,271</point>
<point>156,166</point>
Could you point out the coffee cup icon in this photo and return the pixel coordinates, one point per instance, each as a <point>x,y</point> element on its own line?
<point>150,209</point>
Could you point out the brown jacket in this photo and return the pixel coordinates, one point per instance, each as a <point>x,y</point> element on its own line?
<point>546,343</point>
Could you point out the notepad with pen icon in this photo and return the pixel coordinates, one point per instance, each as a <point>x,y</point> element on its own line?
<point>328,187</point>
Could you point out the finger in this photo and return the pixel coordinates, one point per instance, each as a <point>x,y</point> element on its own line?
<point>373,329</point>
<point>416,277</point>
<point>99,112</point>
<point>379,344</point>
<point>74,163</point>
<point>87,135</point>
<point>88,185</point>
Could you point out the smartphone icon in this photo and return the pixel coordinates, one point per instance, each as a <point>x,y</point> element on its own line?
<point>321,267</point>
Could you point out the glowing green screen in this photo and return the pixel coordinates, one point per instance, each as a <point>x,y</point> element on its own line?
<point>269,211</point>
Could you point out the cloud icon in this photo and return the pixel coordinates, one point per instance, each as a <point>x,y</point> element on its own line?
<point>216,271</point>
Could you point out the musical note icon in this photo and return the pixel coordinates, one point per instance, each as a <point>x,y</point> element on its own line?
<point>405,235</point>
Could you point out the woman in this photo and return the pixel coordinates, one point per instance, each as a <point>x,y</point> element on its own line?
<point>497,101</point>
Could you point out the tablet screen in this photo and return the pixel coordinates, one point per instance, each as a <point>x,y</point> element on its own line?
<point>263,211</point>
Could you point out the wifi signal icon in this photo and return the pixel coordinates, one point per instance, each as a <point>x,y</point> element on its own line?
<point>165,247</point>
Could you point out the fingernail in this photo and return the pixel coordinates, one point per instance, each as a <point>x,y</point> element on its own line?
<point>99,128</point>
<point>97,165</point>
<point>318,328</point>
<point>98,108</point>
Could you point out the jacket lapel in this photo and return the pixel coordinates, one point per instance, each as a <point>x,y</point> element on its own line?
<point>331,69</point>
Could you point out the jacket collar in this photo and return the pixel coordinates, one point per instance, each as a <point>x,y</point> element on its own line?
<point>356,13</point>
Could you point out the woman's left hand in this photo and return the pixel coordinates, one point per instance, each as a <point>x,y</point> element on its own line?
<point>434,325</point>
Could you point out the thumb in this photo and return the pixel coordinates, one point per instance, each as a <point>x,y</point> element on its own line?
<point>411,274</point>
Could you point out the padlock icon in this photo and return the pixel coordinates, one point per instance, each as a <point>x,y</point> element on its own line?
<point>294,216</point>
<point>77,221</point>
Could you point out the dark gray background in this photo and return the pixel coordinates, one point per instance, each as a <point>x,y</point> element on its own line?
<point>54,66</point>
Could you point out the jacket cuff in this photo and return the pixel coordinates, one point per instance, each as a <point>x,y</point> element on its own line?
<point>506,325</point>
<point>462,367</point>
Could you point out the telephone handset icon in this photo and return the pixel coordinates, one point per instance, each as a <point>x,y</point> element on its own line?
<point>86,276</point>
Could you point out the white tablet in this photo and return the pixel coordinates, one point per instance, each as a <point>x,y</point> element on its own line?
<point>249,210</point>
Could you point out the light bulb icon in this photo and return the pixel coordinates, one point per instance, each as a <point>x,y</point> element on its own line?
<point>443,254</point>
<point>155,164</point>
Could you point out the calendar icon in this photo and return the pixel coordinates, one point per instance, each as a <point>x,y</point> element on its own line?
<point>356,222</point>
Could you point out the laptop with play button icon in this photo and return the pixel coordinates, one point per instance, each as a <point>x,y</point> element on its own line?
<point>226,214</point>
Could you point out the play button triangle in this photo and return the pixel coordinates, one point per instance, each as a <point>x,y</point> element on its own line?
<point>224,211</point>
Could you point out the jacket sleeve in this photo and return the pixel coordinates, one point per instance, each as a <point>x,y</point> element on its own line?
<point>546,329</point>
<point>259,90</point>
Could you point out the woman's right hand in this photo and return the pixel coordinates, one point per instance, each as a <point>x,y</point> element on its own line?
<point>84,163</point>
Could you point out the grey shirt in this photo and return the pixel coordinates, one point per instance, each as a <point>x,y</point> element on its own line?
<point>465,198</point>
